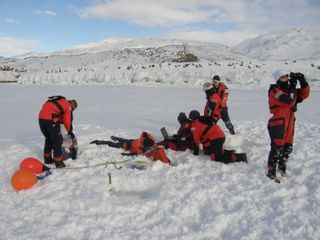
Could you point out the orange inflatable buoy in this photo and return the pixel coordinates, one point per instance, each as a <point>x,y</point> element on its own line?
<point>23,179</point>
<point>32,164</point>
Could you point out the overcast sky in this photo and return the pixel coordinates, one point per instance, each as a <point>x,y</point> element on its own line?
<point>50,25</point>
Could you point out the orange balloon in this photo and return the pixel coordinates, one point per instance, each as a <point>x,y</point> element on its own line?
<point>32,164</point>
<point>23,179</point>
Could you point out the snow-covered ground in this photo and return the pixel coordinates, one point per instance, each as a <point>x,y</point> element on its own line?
<point>197,199</point>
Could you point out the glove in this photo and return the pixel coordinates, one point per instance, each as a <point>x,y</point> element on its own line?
<point>71,135</point>
<point>74,143</point>
<point>293,82</point>
<point>302,79</point>
<point>300,76</point>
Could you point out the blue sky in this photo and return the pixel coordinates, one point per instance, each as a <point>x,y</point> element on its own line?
<point>50,25</point>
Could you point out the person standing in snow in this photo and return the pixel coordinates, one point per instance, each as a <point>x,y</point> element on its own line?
<point>206,132</point>
<point>183,140</point>
<point>283,99</point>
<point>144,145</point>
<point>213,104</point>
<point>56,110</point>
<point>223,92</point>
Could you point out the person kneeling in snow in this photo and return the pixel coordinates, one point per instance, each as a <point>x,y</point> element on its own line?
<point>144,145</point>
<point>183,140</point>
<point>212,138</point>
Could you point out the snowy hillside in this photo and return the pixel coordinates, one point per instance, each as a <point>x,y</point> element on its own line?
<point>155,62</point>
<point>291,44</point>
<point>121,44</point>
<point>197,199</point>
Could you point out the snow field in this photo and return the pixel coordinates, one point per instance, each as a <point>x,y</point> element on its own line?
<point>197,199</point>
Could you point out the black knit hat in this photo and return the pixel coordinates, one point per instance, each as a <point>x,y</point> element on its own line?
<point>73,104</point>
<point>194,114</point>
<point>216,77</point>
<point>148,142</point>
<point>182,117</point>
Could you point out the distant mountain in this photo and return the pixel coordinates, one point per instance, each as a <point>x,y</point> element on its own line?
<point>115,52</point>
<point>170,61</point>
<point>289,44</point>
<point>118,44</point>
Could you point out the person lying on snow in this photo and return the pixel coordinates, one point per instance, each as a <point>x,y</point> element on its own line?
<point>144,145</point>
<point>183,140</point>
<point>212,138</point>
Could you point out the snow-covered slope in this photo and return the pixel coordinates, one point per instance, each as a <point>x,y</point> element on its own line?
<point>287,44</point>
<point>154,61</point>
<point>121,44</point>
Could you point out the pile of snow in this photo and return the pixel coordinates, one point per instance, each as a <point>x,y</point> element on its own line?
<point>236,74</point>
<point>9,76</point>
<point>197,199</point>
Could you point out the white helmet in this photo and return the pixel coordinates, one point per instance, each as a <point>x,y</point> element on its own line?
<point>207,86</point>
<point>279,73</point>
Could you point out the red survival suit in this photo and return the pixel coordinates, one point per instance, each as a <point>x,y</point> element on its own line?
<point>181,141</point>
<point>283,102</point>
<point>53,112</point>
<point>223,93</point>
<point>213,105</point>
<point>212,138</point>
<point>209,135</point>
<point>144,145</point>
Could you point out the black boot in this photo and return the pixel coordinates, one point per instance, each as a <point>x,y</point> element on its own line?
<point>228,156</point>
<point>272,169</point>
<point>45,168</point>
<point>272,176</point>
<point>241,157</point>
<point>282,167</point>
<point>73,153</point>
<point>60,164</point>
<point>48,160</point>
<point>274,157</point>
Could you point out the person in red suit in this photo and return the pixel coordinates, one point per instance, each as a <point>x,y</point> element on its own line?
<point>213,105</point>
<point>223,93</point>
<point>144,145</point>
<point>283,99</point>
<point>206,132</point>
<point>183,140</point>
<point>56,110</point>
